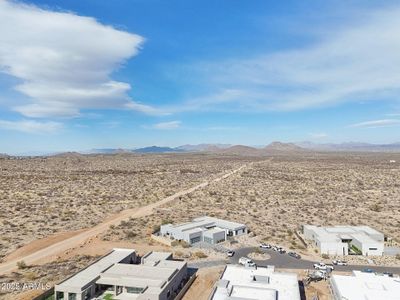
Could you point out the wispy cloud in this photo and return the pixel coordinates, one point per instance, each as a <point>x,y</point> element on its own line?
<point>165,125</point>
<point>318,135</point>
<point>30,126</point>
<point>357,63</point>
<point>64,61</point>
<point>377,123</point>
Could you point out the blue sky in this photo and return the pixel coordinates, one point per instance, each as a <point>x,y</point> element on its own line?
<point>76,75</point>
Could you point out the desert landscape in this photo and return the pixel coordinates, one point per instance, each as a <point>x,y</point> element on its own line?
<point>274,194</point>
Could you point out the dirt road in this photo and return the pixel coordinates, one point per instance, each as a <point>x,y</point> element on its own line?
<point>59,247</point>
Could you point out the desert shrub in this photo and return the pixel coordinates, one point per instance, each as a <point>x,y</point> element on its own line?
<point>130,234</point>
<point>165,221</point>
<point>31,276</point>
<point>156,228</point>
<point>397,256</point>
<point>200,254</point>
<point>21,265</point>
<point>375,207</point>
<point>325,256</point>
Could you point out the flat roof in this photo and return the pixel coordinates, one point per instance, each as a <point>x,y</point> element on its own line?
<point>147,276</point>
<point>206,221</point>
<point>214,230</point>
<point>156,256</point>
<point>93,271</point>
<point>368,286</point>
<point>363,238</point>
<point>336,233</point>
<point>238,283</point>
<point>222,223</point>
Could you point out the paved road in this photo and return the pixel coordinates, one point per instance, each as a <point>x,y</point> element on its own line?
<point>53,250</point>
<point>284,261</point>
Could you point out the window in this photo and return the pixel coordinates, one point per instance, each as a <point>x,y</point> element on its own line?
<point>373,248</point>
<point>195,240</point>
<point>71,296</point>
<point>86,294</point>
<point>59,295</point>
<point>134,290</point>
<point>208,240</point>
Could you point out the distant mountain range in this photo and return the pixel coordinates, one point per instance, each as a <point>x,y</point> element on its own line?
<point>272,148</point>
<point>351,147</point>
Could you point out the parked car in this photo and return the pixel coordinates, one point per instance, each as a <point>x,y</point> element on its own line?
<point>324,267</point>
<point>388,274</point>
<point>275,248</point>
<point>339,263</point>
<point>281,250</point>
<point>230,253</point>
<point>265,246</point>
<point>294,254</point>
<point>245,261</point>
<point>368,270</point>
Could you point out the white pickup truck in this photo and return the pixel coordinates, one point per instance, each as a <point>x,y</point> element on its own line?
<point>247,262</point>
<point>323,267</point>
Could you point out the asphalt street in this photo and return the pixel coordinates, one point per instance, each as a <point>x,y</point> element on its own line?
<point>284,261</point>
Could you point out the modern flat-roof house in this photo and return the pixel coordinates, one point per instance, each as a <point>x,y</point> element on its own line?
<point>367,286</point>
<point>261,283</point>
<point>207,229</point>
<point>338,240</point>
<point>157,277</point>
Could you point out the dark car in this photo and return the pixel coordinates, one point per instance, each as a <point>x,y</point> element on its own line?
<point>294,254</point>
<point>388,274</point>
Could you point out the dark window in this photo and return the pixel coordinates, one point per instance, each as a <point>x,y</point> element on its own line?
<point>373,248</point>
<point>71,296</point>
<point>134,290</point>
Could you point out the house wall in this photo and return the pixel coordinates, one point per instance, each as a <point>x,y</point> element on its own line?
<point>172,287</point>
<point>240,231</point>
<point>188,237</point>
<point>216,236</point>
<point>333,248</point>
<point>78,295</point>
<point>335,291</point>
<point>375,249</point>
<point>308,232</point>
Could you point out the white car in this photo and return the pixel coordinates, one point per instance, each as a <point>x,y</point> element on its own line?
<point>323,267</point>
<point>265,246</point>
<point>230,253</point>
<point>339,263</point>
<point>245,261</point>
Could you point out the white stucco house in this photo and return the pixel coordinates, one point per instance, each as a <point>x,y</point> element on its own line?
<point>203,229</point>
<point>340,240</point>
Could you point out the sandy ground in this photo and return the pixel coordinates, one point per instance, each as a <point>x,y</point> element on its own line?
<point>204,283</point>
<point>53,250</point>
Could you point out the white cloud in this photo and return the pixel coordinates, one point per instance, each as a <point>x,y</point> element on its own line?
<point>377,123</point>
<point>318,135</point>
<point>64,61</point>
<point>167,125</point>
<point>31,126</point>
<point>358,63</point>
